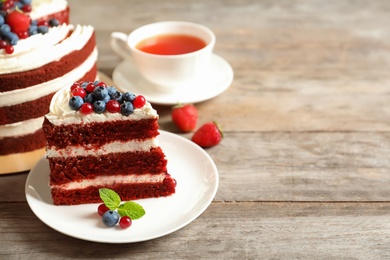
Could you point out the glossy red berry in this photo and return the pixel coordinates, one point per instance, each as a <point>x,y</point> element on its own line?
<point>185,117</point>
<point>75,85</point>
<point>18,21</point>
<point>86,108</point>
<point>113,106</point>
<point>3,44</point>
<point>90,87</point>
<point>22,35</point>
<point>102,208</point>
<point>79,92</point>
<point>9,49</point>
<point>125,222</point>
<point>43,23</point>
<point>139,101</point>
<point>27,8</point>
<point>101,84</point>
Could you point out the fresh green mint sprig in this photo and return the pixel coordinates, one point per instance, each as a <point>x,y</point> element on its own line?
<point>113,201</point>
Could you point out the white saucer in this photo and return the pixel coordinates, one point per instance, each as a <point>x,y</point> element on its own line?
<point>197,183</point>
<point>218,79</point>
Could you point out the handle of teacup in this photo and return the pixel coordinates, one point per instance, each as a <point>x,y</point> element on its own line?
<point>119,45</point>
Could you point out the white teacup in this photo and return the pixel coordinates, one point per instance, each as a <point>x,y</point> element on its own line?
<point>167,72</point>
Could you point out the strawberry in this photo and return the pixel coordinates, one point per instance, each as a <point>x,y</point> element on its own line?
<point>208,135</point>
<point>185,117</point>
<point>18,21</point>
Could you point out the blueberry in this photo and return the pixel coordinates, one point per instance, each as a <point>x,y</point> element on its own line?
<point>106,98</point>
<point>127,108</point>
<point>88,98</point>
<point>32,30</point>
<point>118,96</point>
<point>43,29</point>
<point>100,93</point>
<point>99,106</point>
<point>2,20</point>
<point>34,22</point>
<point>75,103</point>
<point>53,22</point>
<point>4,29</point>
<point>110,218</point>
<point>11,37</point>
<point>111,90</point>
<point>26,2</point>
<point>128,96</point>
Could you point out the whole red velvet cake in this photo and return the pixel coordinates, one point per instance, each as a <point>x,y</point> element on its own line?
<point>34,64</point>
<point>98,137</point>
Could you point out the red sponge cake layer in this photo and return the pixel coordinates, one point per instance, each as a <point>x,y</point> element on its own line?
<point>98,133</point>
<point>69,169</point>
<point>126,192</point>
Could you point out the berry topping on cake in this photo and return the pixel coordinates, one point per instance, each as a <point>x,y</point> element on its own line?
<point>86,109</point>
<point>75,102</point>
<point>139,101</point>
<point>16,23</point>
<point>102,98</point>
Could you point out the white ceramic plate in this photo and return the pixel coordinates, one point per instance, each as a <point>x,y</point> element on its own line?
<point>197,183</point>
<point>218,79</point>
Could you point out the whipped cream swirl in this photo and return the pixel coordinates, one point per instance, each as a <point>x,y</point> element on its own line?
<point>60,112</point>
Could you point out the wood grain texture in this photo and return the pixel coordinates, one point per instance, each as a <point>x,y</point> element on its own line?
<point>225,231</point>
<point>304,163</point>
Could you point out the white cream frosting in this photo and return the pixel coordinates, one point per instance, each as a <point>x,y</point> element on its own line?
<point>108,180</point>
<point>42,49</point>
<point>18,96</point>
<point>41,8</point>
<point>61,114</point>
<point>21,128</point>
<point>113,147</point>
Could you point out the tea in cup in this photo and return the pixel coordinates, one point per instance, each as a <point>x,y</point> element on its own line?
<point>168,54</point>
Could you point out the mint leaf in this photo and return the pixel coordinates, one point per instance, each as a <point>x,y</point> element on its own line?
<point>110,198</point>
<point>131,209</point>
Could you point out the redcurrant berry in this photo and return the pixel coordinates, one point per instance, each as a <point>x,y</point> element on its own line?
<point>9,49</point>
<point>3,44</point>
<point>139,101</point>
<point>86,108</point>
<point>90,87</point>
<point>43,23</point>
<point>125,222</point>
<point>23,35</point>
<point>75,85</point>
<point>101,84</point>
<point>113,106</point>
<point>102,208</point>
<point>27,8</point>
<point>79,92</point>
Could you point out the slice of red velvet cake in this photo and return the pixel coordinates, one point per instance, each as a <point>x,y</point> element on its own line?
<point>98,137</point>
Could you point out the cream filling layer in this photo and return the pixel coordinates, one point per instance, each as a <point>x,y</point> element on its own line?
<point>42,49</point>
<point>21,128</point>
<point>113,147</point>
<point>101,181</point>
<point>18,96</point>
<point>42,8</point>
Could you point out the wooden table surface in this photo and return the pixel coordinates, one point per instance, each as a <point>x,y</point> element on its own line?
<point>304,165</point>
